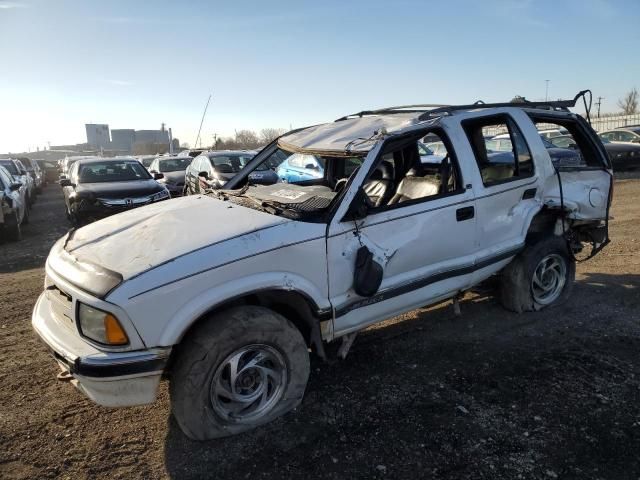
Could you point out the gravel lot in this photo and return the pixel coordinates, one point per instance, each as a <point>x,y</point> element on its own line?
<point>490,394</point>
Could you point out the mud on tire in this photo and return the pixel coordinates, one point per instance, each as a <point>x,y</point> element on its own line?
<point>227,360</point>
<point>541,276</point>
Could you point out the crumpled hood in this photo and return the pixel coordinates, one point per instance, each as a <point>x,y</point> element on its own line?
<point>134,241</point>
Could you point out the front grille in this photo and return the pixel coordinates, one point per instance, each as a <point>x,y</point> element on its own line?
<point>61,303</point>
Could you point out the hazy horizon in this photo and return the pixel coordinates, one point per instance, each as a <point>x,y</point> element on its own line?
<point>134,65</point>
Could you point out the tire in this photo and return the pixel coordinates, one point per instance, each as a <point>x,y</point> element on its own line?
<point>201,377</point>
<point>527,284</point>
<point>12,230</point>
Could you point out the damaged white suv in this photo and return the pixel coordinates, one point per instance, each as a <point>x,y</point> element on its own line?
<point>227,292</point>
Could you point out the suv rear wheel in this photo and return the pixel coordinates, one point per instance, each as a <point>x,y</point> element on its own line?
<point>542,275</point>
<point>241,368</point>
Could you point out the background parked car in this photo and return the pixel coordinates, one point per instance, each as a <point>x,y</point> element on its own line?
<point>35,171</point>
<point>50,170</point>
<point>560,157</point>
<point>300,167</point>
<point>173,170</point>
<point>20,174</point>
<point>622,135</point>
<point>68,162</point>
<point>146,160</point>
<point>624,156</point>
<point>552,132</point>
<point>213,169</point>
<point>99,187</point>
<point>14,210</point>
<point>429,156</point>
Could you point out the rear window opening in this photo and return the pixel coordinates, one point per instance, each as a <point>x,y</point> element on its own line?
<point>566,143</point>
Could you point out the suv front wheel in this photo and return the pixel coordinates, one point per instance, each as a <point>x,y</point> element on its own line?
<point>542,275</point>
<point>238,369</point>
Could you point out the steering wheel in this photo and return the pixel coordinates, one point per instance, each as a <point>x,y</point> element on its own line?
<point>340,184</point>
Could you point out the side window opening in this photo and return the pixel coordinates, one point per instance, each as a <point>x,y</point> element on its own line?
<point>566,143</point>
<point>500,149</point>
<point>413,171</point>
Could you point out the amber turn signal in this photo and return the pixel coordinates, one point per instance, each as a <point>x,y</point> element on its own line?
<point>114,333</point>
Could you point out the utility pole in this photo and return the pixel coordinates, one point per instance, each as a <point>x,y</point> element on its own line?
<point>598,103</point>
<point>546,91</point>
<point>201,121</point>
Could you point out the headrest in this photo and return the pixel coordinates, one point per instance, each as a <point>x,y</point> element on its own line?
<point>386,169</point>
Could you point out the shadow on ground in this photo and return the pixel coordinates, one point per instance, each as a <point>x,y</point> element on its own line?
<point>490,394</point>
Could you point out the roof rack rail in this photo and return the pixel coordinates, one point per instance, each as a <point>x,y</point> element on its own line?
<point>430,110</point>
<point>416,108</point>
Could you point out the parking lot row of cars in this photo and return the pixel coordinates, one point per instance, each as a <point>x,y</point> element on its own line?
<point>21,180</point>
<point>96,187</point>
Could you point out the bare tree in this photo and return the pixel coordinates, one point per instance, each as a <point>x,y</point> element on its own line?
<point>268,135</point>
<point>629,103</point>
<point>185,145</point>
<point>247,139</point>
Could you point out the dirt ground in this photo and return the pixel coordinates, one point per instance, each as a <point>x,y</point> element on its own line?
<point>488,395</point>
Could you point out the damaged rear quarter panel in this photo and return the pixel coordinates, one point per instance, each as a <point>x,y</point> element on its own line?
<point>585,193</point>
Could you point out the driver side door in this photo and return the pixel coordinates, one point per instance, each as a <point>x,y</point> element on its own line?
<point>426,246</point>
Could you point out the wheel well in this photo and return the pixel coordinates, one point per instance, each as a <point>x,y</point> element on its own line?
<point>543,222</point>
<point>294,306</point>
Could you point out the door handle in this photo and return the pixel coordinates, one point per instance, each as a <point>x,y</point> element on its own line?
<point>465,213</point>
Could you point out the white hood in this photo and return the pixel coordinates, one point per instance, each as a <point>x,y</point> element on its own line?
<point>137,240</point>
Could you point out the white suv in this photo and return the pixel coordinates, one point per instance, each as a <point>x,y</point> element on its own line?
<point>226,293</point>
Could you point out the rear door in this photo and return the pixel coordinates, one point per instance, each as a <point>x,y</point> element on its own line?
<point>508,185</point>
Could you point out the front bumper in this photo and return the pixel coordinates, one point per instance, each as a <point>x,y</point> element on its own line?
<point>112,379</point>
<point>175,189</point>
<point>96,209</point>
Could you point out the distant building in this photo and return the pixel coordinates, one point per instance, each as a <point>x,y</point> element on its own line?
<point>98,135</point>
<point>123,139</point>
<point>152,136</point>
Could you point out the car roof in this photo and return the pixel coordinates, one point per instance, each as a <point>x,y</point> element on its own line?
<point>87,161</point>
<point>221,153</point>
<point>357,134</point>
<point>180,157</point>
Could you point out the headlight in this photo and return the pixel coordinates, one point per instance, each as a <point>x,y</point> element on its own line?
<point>160,195</point>
<point>103,327</point>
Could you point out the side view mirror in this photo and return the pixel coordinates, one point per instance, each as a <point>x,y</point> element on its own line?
<point>311,166</point>
<point>157,176</point>
<point>359,206</point>
<point>65,182</point>
<point>15,186</point>
<point>204,175</point>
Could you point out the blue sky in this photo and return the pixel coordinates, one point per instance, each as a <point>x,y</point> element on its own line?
<point>135,64</point>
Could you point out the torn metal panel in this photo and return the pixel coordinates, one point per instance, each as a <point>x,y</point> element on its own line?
<point>585,193</point>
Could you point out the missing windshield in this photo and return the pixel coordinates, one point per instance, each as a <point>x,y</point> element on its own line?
<point>301,185</point>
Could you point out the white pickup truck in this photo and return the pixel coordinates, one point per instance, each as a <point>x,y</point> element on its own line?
<point>226,293</point>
